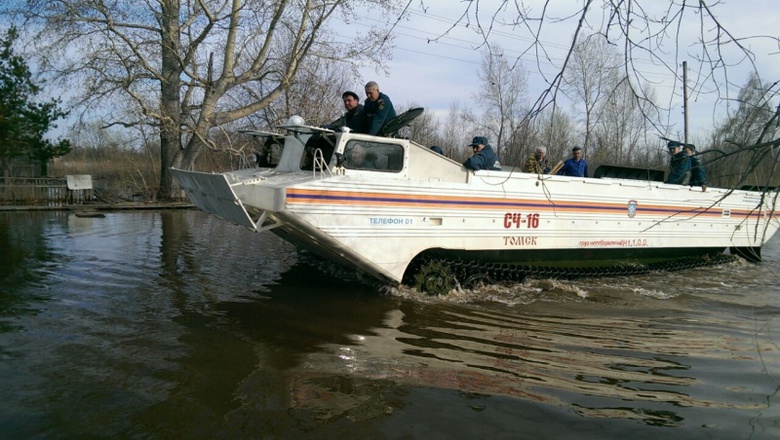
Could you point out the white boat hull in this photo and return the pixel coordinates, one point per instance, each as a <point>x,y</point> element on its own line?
<point>379,222</point>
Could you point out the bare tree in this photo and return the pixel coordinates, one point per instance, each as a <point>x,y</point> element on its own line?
<point>455,131</point>
<point>502,97</point>
<point>314,95</point>
<point>555,131</point>
<point>424,129</point>
<point>622,125</point>
<point>524,140</point>
<point>593,73</point>
<point>652,39</point>
<point>188,66</point>
<point>739,147</point>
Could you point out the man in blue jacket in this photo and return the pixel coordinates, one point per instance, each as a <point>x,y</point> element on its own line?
<point>378,109</point>
<point>576,166</point>
<point>484,157</point>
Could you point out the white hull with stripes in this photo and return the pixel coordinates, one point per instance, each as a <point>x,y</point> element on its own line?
<point>405,201</point>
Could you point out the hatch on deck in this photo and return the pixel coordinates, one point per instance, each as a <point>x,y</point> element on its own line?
<point>630,173</point>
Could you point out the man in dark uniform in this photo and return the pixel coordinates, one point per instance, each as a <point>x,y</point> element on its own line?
<point>484,157</point>
<point>678,164</point>
<point>353,118</point>
<point>698,176</point>
<point>378,109</point>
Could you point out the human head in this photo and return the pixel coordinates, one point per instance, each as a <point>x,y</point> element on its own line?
<point>372,90</point>
<point>437,149</point>
<point>540,152</point>
<point>576,153</point>
<point>689,149</point>
<point>674,147</point>
<point>478,143</point>
<point>358,154</point>
<point>351,100</point>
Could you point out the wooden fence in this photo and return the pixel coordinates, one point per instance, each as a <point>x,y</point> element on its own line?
<point>48,191</point>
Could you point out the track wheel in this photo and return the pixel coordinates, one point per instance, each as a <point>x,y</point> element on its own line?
<point>435,278</point>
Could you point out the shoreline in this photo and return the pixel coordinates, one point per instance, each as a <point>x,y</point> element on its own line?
<point>100,206</point>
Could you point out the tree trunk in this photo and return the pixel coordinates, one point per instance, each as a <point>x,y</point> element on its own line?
<point>170,106</point>
<point>189,154</point>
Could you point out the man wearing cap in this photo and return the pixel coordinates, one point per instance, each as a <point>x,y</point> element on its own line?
<point>678,164</point>
<point>484,157</point>
<point>698,176</point>
<point>576,166</point>
<point>537,162</point>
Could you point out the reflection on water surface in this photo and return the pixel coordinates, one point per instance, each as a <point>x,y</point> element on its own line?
<point>175,324</point>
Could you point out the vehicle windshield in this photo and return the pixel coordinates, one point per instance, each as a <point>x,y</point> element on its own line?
<point>375,156</point>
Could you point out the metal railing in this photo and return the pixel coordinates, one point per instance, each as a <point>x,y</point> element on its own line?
<point>320,164</point>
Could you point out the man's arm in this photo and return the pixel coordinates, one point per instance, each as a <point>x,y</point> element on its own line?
<point>475,162</point>
<point>336,124</point>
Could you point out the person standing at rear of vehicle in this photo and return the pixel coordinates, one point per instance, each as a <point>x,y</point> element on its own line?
<point>378,109</point>
<point>679,164</point>
<point>576,166</point>
<point>353,118</point>
<point>484,157</point>
<point>537,162</point>
<point>698,175</point>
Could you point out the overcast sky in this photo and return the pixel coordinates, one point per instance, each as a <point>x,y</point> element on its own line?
<point>434,70</point>
<point>436,56</point>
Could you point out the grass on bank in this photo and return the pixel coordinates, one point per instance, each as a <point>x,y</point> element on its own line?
<point>131,175</point>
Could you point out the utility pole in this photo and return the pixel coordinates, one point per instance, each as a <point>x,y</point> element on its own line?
<point>685,97</point>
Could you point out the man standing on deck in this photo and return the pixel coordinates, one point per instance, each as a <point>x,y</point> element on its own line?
<point>484,157</point>
<point>353,118</point>
<point>537,162</point>
<point>679,163</point>
<point>576,166</point>
<point>698,176</point>
<point>378,109</point>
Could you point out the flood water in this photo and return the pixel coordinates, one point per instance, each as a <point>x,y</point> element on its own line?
<point>174,324</point>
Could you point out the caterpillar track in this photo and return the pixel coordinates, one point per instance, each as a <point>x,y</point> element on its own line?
<point>438,276</point>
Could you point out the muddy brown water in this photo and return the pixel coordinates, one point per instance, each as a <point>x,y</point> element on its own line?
<point>174,324</point>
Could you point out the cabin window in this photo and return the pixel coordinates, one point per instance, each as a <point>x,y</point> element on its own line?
<point>326,143</point>
<point>374,156</point>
